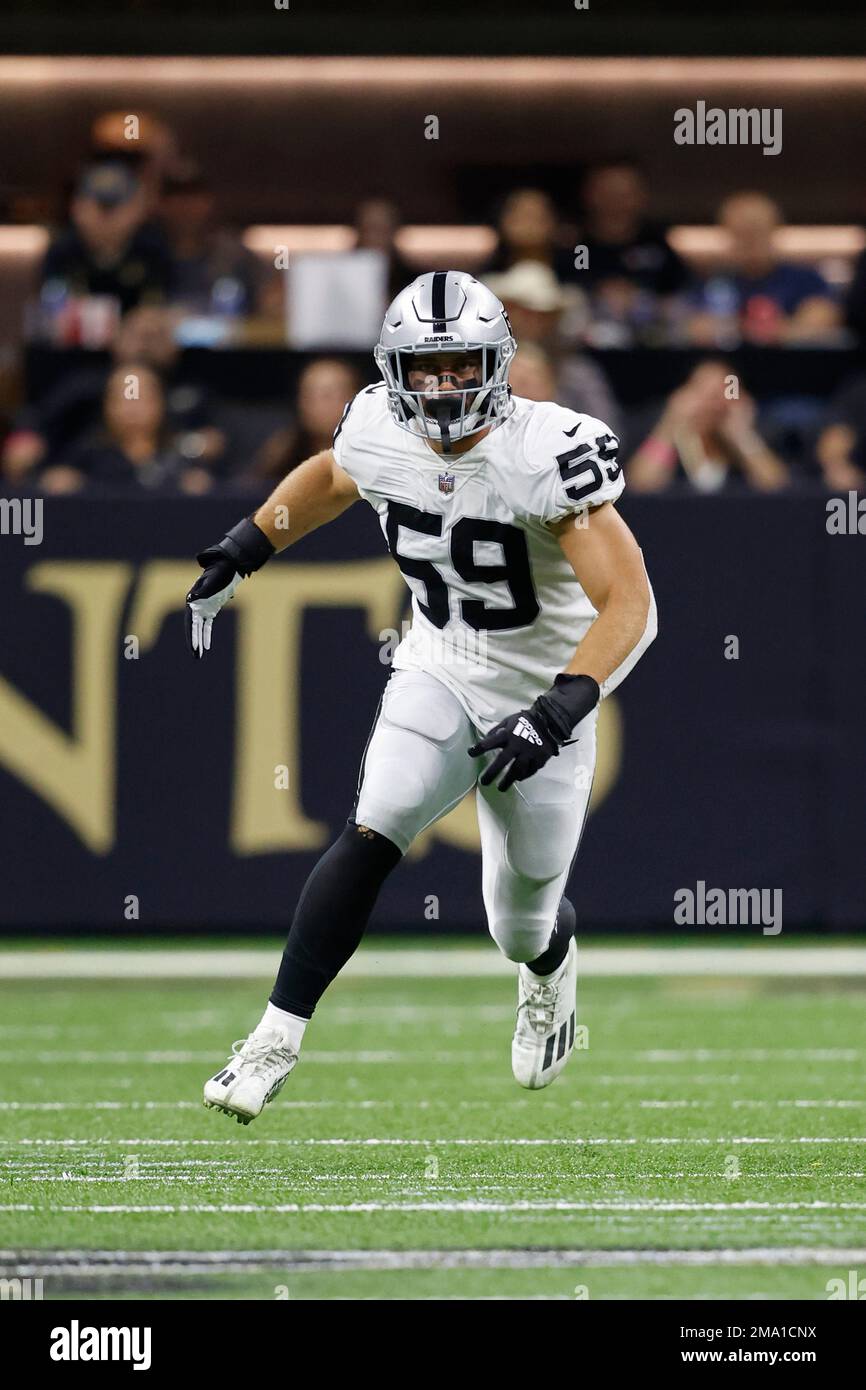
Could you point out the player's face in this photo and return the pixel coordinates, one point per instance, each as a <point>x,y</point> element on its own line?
<point>440,373</point>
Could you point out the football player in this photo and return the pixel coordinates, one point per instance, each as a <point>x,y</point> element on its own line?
<point>530,604</point>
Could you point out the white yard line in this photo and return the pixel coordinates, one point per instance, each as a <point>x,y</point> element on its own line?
<point>798,1104</point>
<point>52,1105</point>
<point>393,1014</point>
<point>221,1173</point>
<point>647,1080</point>
<point>182,1057</point>
<point>390,1142</point>
<point>752,1054</point>
<point>47,1106</point>
<point>98,1264</point>
<point>768,958</point>
<point>649,1205</point>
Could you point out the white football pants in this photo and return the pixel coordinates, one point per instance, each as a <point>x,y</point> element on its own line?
<point>416,769</point>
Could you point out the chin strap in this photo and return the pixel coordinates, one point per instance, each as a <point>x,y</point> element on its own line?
<point>445,413</point>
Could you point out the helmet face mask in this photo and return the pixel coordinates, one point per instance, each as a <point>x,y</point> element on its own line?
<point>451,382</point>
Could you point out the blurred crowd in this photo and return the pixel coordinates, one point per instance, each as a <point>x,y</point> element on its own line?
<point>143,267</point>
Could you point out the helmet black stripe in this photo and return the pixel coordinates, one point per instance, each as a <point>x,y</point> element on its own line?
<point>438,292</point>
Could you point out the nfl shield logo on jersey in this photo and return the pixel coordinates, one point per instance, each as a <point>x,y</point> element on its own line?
<point>446,483</point>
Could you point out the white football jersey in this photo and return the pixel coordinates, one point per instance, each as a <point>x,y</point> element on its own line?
<point>496,609</point>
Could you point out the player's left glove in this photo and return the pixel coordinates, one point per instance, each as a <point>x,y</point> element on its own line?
<point>530,738</point>
<point>241,552</point>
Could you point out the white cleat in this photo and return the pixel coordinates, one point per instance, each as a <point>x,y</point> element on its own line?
<point>546,1020</point>
<point>256,1071</point>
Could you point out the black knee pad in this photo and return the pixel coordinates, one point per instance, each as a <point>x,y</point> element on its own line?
<point>361,846</point>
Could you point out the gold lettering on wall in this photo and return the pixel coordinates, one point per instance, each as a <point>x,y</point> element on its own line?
<point>266,812</point>
<point>75,773</point>
<point>269,684</point>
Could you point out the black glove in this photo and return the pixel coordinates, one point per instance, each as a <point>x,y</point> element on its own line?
<point>530,738</point>
<point>243,550</point>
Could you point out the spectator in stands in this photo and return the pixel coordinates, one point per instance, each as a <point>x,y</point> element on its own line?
<point>116,135</point>
<point>841,447</point>
<point>706,436</point>
<point>626,253</point>
<point>622,260</point>
<point>133,449</point>
<point>532,374</point>
<point>107,249</point>
<point>143,139</point>
<point>377,221</point>
<point>755,295</point>
<point>324,387</point>
<point>46,431</point>
<point>540,309</point>
<point>527,227</point>
<point>212,271</point>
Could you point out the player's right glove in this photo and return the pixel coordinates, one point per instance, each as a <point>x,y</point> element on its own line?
<point>525,741</point>
<point>242,551</point>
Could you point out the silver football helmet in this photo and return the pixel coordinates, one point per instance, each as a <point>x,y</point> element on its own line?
<point>444,353</point>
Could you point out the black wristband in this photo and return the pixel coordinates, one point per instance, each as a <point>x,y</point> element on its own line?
<point>569,699</point>
<point>246,545</point>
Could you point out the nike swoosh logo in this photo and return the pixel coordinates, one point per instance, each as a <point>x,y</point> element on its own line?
<point>571,433</point>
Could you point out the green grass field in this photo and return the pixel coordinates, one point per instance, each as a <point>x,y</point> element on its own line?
<point>709,1142</point>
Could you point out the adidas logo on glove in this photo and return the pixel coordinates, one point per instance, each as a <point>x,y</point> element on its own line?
<point>523,729</point>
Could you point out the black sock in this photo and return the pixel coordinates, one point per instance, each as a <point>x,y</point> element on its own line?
<point>557,947</point>
<point>331,916</point>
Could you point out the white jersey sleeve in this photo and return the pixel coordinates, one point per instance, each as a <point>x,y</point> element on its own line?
<point>351,443</point>
<point>571,461</point>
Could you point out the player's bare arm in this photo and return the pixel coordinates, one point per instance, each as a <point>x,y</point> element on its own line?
<point>608,565</point>
<point>311,495</point>
<point>316,492</point>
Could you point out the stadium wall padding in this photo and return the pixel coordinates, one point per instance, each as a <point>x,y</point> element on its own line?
<point>143,789</point>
